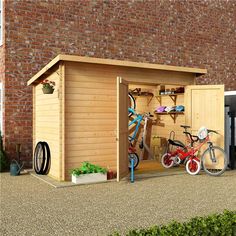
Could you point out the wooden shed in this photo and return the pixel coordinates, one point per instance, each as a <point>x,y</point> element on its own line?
<point>85,119</point>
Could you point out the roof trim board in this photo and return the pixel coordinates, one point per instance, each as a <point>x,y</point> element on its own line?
<point>112,62</point>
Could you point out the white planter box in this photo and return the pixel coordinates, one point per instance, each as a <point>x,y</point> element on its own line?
<point>89,178</point>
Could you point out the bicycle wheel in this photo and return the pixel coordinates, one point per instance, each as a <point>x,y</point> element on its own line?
<point>39,157</point>
<point>136,159</point>
<point>131,103</point>
<point>214,161</point>
<point>167,160</point>
<point>46,166</point>
<point>193,166</point>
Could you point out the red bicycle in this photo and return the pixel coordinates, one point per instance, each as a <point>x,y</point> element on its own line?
<point>213,159</point>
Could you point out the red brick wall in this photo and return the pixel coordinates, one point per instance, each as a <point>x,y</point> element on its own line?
<point>185,33</point>
<point>2,62</point>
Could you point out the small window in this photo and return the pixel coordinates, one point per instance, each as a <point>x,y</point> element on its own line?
<point>1,22</point>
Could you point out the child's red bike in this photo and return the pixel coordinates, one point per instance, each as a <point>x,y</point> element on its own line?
<point>213,159</point>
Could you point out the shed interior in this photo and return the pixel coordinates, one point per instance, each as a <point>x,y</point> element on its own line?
<point>159,126</point>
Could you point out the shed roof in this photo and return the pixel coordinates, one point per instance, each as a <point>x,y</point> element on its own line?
<point>112,62</point>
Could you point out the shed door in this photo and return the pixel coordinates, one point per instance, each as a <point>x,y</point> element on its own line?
<point>122,128</point>
<point>204,106</point>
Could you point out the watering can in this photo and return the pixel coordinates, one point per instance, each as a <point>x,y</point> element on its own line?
<point>15,168</point>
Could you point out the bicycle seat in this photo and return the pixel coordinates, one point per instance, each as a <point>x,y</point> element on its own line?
<point>185,126</point>
<point>174,143</point>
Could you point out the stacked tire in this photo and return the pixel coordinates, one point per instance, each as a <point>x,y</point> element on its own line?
<point>42,158</point>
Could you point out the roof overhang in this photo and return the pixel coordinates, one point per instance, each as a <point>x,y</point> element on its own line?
<point>102,61</point>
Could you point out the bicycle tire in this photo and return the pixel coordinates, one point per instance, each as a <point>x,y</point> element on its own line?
<point>136,159</point>
<point>165,160</point>
<point>193,168</point>
<point>39,152</point>
<point>141,145</point>
<point>132,103</point>
<point>214,171</point>
<point>47,159</point>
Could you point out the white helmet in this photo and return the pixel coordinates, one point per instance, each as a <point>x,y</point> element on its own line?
<point>202,133</point>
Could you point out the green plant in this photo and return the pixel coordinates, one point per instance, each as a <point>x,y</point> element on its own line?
<point>48,84</point>
<point>3,160</point>
<point>88,168</point>
<point>214,225</point>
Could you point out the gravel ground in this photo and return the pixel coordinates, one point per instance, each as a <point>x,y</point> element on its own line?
<point>31,207</point>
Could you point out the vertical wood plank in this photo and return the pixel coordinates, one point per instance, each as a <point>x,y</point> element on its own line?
<point>62,112</point>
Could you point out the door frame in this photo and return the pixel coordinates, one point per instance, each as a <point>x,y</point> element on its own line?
<point>120,80</point>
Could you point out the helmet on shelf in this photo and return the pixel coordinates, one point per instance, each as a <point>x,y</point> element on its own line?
<point>160,109</point>
<point>202,133</point>
<point>169,109</point>
<point>179,108</point>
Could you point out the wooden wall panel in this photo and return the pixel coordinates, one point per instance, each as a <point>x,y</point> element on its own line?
<point>90,110</point>
<point>47,115</point>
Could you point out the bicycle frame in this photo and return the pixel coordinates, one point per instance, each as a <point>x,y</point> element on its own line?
<point>191,150</point>
<point>138,119</point>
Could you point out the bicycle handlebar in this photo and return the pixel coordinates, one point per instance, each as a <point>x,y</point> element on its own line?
<point>147,114</point>
<point>196,138</point>
<point>185,126</point>
<point>212,131</point>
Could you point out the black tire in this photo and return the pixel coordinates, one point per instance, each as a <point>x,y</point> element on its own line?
<point>39,157</point>
<point>132,103</point>
<point>136,159</point>
<point>219,155</point>
<point>47,159</point>
<point>141,144</point>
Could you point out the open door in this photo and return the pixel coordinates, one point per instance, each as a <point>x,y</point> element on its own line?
<point>204,106</point>
<point>122,128</point>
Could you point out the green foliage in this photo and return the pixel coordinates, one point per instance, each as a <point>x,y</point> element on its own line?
<point>214,225</point>
<point>3,160</point>
<point>88,168</point>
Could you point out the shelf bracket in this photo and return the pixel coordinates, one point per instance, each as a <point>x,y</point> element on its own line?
<point>173,116</point>
<point>158,99</point>
<point>173,98</point>
<point>150,99</point>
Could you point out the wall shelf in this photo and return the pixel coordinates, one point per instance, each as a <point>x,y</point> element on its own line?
<point>172,114</point>
<point>144,94</point>
<point>172,96</point>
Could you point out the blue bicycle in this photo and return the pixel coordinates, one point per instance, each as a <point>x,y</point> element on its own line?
<point>132,150</point>
<point>137,120</point>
